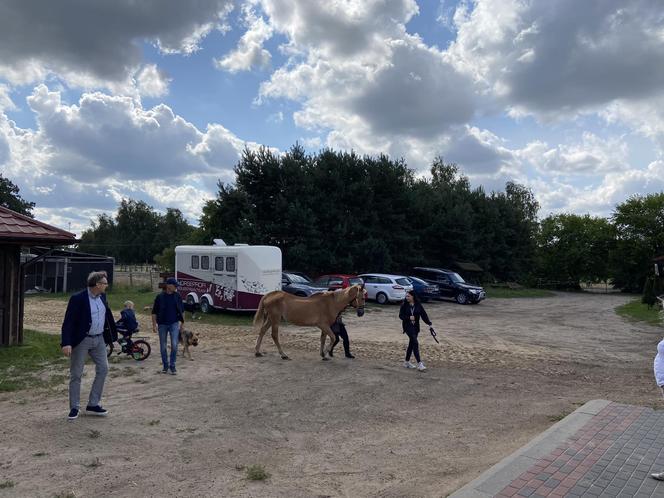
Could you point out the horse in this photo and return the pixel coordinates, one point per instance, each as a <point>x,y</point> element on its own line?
<point>319,310</point>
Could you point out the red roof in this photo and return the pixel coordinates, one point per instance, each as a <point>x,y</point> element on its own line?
<point>17,228</point>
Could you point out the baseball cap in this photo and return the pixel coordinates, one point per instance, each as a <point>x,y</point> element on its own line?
<point>172,281</point>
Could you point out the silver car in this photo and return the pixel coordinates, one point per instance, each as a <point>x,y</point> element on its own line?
<point>385,288</point>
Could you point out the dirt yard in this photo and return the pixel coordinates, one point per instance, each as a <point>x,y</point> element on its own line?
<point>505,371</point>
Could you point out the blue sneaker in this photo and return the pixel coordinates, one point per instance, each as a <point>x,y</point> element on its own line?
<point>173,371</point>
<point>73,414</point>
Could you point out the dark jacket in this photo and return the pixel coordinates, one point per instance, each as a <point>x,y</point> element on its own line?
<point>159,308</point>
<point>78,320</point>
<point>404,315</point>
<point>128,320</point>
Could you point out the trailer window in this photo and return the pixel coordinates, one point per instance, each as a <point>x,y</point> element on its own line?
<point>219,263</point>
<point>205,262</point>
<point>194,262</point>
<point>230,265</point>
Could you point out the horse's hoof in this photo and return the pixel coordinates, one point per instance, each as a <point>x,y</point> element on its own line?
<point>258,354</point>
<point>285,357</point>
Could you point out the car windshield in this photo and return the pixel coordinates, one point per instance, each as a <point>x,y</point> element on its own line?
<point>403,281</point>
<point>416,280</point>
<point>355,281</point>
<point>455,277</point>
<point>297,279</point>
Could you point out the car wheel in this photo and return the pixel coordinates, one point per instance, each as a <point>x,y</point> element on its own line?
<point>205,305</point>
<point>461,298</point>
<point>381,298</point>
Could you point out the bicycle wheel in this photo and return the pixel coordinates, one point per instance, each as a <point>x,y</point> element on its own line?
<point>109,350</point>
<point>140,350</point>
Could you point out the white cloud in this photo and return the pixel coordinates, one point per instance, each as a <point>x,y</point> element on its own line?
<point>90,154</point>
<point>249,52</point>
<point>97,44</point>
<point>561,57</point>
<point>151,82</point>
<point>592,156</point>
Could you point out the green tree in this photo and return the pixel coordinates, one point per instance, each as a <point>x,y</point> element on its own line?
<point>574,249</point>
<point>10,198</point>
<point>639,238</point>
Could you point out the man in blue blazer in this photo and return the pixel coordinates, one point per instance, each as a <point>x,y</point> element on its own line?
<point>87,327</point>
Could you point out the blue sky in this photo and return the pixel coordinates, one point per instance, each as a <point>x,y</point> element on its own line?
<point>156,100</point>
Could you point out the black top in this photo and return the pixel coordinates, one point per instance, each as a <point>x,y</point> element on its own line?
<point>418,312</point>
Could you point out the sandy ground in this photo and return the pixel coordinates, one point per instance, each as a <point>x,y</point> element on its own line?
<point>505,371</point>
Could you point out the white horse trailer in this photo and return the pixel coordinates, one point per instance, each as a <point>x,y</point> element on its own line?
<point>227,277</point>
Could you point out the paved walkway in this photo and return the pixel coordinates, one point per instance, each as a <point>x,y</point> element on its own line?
<point>602,449</point>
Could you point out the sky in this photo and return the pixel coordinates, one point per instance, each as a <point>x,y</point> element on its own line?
<point>155,100</point>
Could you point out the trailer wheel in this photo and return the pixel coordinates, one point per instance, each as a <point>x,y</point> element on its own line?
<point>205,305</point>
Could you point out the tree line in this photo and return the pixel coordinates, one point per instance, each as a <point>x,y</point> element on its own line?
<point>339,211</point>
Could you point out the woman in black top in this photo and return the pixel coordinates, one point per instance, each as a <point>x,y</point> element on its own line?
<point>410,313</point>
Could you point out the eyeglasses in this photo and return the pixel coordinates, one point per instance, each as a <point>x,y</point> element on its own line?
<point>103,283</point>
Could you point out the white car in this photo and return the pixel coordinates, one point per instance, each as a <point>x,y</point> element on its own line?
<point>385,288</point>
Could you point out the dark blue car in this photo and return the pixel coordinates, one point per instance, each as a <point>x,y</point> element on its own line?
<point>424,290</point>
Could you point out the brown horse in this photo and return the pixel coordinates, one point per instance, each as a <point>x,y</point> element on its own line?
<point>319,310</point>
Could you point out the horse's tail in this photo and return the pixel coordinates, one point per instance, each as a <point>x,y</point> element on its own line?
<point>260,315</point>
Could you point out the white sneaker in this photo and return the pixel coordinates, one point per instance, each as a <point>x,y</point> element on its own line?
<point>421,367</point>
<point>408,364</point>
<point>659,476</point>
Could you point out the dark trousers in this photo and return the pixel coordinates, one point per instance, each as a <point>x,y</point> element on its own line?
<point>340,331</point>
<point>413,346</point>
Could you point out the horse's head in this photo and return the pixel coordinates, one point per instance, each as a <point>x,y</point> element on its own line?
<point>358,295</point>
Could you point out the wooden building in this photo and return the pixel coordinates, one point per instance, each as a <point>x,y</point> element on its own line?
<point>18,231</point>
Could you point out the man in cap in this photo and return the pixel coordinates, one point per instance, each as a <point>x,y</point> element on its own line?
<point>167,317</point>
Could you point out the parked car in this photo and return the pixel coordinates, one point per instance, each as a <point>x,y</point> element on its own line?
<point>424,289</point>
<point>298,284</point>
<point>384,288</point>
<point>451,285</point>
<point>336,281</point>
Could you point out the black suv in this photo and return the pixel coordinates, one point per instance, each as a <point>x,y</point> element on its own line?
<point>451,285</point>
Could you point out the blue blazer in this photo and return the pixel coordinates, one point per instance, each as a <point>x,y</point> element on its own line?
<point>78,320</point>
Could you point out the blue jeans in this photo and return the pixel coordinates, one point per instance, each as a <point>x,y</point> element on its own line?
<point>164,331</point>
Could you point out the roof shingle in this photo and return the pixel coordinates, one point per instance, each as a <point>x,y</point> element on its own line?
<point>15,227</point>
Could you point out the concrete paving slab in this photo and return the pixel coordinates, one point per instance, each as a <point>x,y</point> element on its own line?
<point>601,449</point>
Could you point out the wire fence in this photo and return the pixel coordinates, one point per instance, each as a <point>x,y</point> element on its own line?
<point>136,276</point>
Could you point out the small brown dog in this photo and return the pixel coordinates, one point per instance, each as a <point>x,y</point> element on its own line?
<point>188,338</point>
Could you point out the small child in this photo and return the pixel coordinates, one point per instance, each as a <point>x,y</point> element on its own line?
<point>127,324</point>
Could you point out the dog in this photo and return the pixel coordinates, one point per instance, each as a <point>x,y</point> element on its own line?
<point>188,338</point>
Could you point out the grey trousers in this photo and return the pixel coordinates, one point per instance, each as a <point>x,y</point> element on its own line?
<point>96,348</point>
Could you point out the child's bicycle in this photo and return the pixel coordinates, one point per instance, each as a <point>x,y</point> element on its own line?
<point>138,350</point>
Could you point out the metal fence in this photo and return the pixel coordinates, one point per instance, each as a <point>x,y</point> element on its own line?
<point>136,276</point>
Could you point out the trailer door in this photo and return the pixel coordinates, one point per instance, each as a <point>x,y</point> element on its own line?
<point>225,279</point>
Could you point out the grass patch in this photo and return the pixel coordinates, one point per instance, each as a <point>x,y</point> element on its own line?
<point>637,311</point>
<point>505,292</point>
<point>7,484</point>
<point>256,472</point>
<point>154,422</point>
<point>94,434</point>
<point>20,366</point>
<point>94,463</point>
<point>557,418</point>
